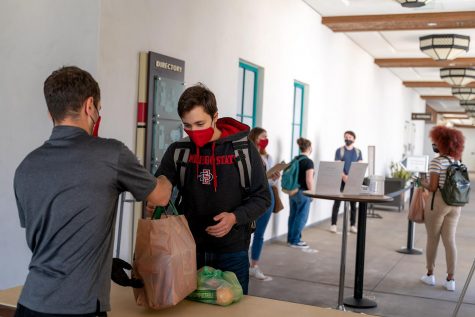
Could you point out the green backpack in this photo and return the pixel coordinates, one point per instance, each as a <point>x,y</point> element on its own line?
<point>290,177</point>
<point>456,190</point>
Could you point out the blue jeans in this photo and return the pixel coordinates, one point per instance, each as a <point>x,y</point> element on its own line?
<point>261,226</point>
<point>299,208</point>
<point>236,262</point>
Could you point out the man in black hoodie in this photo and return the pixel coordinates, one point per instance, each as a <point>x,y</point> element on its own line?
<point>218,208</point>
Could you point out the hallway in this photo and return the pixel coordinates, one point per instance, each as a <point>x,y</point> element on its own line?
<point>391,278</point>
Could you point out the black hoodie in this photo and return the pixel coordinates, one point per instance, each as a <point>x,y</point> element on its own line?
<point>212,186</point>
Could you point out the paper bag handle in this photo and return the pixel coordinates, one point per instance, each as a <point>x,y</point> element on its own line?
<point>159,210</point>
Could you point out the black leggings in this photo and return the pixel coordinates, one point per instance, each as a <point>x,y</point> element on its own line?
<point>336,207</point>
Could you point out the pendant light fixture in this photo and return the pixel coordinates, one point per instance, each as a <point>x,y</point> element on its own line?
<point>463,93</point>
<point>458,76</point>
<point>413,3</point>
<point>444,46</point>
<point>467,103</point>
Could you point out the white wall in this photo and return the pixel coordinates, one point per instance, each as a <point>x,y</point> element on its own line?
<point>36,38</point>
<point>346,89</point>
<point>468,156</point>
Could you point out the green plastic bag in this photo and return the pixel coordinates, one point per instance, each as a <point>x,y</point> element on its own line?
<point>216,287</point>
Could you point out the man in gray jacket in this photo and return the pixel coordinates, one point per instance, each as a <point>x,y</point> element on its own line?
<point>66,192</point>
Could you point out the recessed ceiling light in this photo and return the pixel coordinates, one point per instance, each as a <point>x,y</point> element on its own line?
<point>432,24</point>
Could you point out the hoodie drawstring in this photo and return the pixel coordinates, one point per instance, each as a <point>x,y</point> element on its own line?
<point>213,160</point>
<point>198,164</point>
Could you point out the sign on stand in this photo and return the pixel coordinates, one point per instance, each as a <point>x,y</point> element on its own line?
<point>416,164</point>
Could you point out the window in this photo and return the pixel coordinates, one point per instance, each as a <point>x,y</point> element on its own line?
<point>247,94</point>
<point>297,118</point>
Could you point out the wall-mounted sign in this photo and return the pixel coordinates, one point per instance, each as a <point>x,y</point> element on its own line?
<point>421,116</point>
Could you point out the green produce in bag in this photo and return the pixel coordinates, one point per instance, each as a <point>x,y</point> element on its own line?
<point>216,287</point>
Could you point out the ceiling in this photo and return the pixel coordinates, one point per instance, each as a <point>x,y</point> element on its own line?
<point>391,35</point>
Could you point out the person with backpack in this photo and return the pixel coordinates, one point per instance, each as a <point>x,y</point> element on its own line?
<point>258,136</point>
<point>221,181</point>
<point>349,154</point>
<point>440,216</point>
<point>299,203</point>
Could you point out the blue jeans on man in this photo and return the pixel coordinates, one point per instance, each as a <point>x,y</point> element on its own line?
<point>299,209</point>
<point>236,262</point>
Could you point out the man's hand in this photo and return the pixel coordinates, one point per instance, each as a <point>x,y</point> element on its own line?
<point>344,178</point>
<point>149,209</point>
<point>160,196</point>
<point>226,220</point>
<point>161,193</point>
<point>119,276</point>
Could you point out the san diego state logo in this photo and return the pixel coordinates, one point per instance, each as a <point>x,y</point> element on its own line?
<point>205,177</point>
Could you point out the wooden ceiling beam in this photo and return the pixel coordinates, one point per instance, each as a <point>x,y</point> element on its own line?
<point>396,22</point>
<point>424,62</point>
<point>431,84</point>
<point>428,97</point>
<point>465,126</point>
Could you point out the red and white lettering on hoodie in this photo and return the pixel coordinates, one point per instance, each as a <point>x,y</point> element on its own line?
<point>228,127</point>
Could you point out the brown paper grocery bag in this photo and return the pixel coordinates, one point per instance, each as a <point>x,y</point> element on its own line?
<point>417,206</point>
<point>165,259</point>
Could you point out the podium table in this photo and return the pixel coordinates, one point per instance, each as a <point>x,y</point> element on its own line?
<point>357,300</point>
<point>123,305</point>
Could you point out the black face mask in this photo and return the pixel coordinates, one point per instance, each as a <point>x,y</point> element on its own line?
<point>434,148</point>
<point>348,142</point>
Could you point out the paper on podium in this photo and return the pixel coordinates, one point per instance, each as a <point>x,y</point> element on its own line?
<point>355,179</point>
<point>329,177</point>
<point>277,168</point>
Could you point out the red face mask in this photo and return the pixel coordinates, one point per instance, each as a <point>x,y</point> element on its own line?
<point>95,129</point>
<point>200,137</point>
<point>263,143</point>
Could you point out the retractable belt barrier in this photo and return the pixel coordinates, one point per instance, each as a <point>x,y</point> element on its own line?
<point>372,214</point>
<point>394,194</point>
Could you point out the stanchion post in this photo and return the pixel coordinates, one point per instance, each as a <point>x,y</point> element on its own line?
<point>341,289</point>
<point>464,290</point>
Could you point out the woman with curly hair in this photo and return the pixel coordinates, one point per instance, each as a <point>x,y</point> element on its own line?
<point>441,219</point>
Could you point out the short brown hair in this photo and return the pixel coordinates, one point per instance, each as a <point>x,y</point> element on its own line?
<point>350,133</point>
<point>449,141</point>
<point>197,95</point>
<point>303,144</point>
<point>66,89</point>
